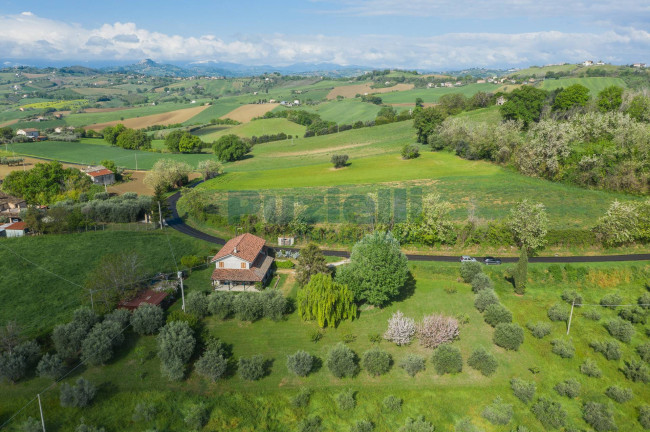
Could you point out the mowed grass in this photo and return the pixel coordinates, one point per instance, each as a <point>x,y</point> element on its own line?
<point>594,84</point>
<point>253,128</point>
<point>238,405</point>
<point>34,297</point>
<point>345,111</point>
<point>487,115</point>
<point>432,95</point>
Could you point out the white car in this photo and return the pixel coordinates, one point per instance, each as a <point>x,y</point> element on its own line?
<point>467,258</point>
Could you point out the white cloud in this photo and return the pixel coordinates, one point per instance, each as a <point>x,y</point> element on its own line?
<point>27,36</point>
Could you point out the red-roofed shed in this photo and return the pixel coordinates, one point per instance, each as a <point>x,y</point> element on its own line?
<point>149,296</point>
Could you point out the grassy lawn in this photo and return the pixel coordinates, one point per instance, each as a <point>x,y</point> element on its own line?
<point>594,84</point>
<point>38,300</point>
<point>430,95</point>
<point>346,111</point>
<point>238,405</point>
<point>255,128</point>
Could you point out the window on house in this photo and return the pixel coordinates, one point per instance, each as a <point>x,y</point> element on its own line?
<point>243,265</point>
<point>220,264</point>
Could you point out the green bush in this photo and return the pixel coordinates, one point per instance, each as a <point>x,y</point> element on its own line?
<point>144,411</point>
<point>274,304</point>
<point>310,424</point>
<point>121,317</point>
<point>599,416</point>
<point>211,365</point>
<point>51,366</point>
<point>79,395</point>
<point>196,416</point>
<point>284,264</point>
<point>483,361</point>
<point>550,413</point>
<point>196,303</point>
<point>498,412</point>
<point>346,400</point>
<point>412,364</point>
<point>634,314</point>
<point>301,399</point>
<point>496,314</point>
<point>221,304</point>
<point>644,300</point>
<point>98,346</point>
<point>418,424</point>
<point>592,314</point>
<point>480,282</point>
<point>508,336</point>
<point>636,371</point>
<point>559,312</point>
<point>300,363</point>
<point>31,424</point>
<point>248,306</point>
<point>363,426</point>
<point>176,344</point>
<point>376,362</point>
<point>485,298</point>
<point>590,368</point>
<point>523,390</point>
<point>620,329</point>
<point>469,269</point>
<point>619,394</point>
<point>539,329</point>
<point>342,361</point>
<point>252,368</point>
<point>611,300</point>
<point>393,404</point>
<point>466,425</point>
<point>14,364</point>
<point>644,352</point>
<point>572,297</point>
<point>569,388</point>
<point>410,151</point>
<point>644,416</point>
<point>610,349</point>
<point>147,319</point>
<point>191,261</point>
<point>563,348</point>
<point>447,359</point>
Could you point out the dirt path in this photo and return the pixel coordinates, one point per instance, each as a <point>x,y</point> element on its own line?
<point>171,117</point>
<point>9,123</point>
<point>246,113</point>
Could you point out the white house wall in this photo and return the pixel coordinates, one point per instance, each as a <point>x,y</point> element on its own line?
<point>231,262</point>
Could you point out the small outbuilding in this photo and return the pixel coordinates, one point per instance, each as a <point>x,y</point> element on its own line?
<point>12,230</point>
<point>100,175</point>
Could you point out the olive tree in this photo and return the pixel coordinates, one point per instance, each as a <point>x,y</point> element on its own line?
<point>529,224</point>
<point>175,347</point>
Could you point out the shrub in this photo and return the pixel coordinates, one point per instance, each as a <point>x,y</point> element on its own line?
<point>342,361</point>
<point>508,336</point>
<point>175,347</point>
<point>121,317</point>
<point>539,329</point>
<point>51,366</point>
<point>410,151</point>
<point>590,368</point>
<point>31,425</point>
<point>196,416</point>
<point>98,346</point>
<point>301,399</point>
<point>418,424</point>
<point>191,261</point>
<point>644,352</point>
<point>550,413</point>
<point>523,390</point>
<point>634,314</point>
<point>310,424</point>
<point>144,412</point>
<point>315,336</point>
<point>599,416</point>
<point>592,314</point>
<point>447,359</point>
<point>221,304</point>
<point>196,303</point>
<point>563,348</point>
<point>619,394</point>
<point>483,361</point>
<point>466,425</point>
<point>481,282</point>
<point>559,312</point>
<point>437,329</point>
<point>79,395</point>
<point>496,314</point>
<point>376,362</point>
<point>400,330</point>
<point>393,404</point>
<point>363,426</point>
<point>211,365</point>
<point>83,427</point>
<point>339,161</point>
<point>412,364</point>
<point>636,371</point>
<point>498,412</point>
<point>610,349</point>
<point>644,300</point>
<point>248,307</point>
<point>345,400</point>
<point>620,329</point>
<point>611,300</point>
<point>274,304</point>
<point>485,298</point>
<point>644,416</point>
<point>300,363</point>
<point>252,368</point>
<point>469,269</point>
<point>569,388</point>
<point>15,363</point>
<point>571,297</point>
<point>147,319</point>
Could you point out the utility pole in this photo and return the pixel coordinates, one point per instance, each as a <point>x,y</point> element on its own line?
<point>136,161</point>
<point>570,316</point>
<point>160,215</point>
<point>180,278</point>
<point>40,408</point>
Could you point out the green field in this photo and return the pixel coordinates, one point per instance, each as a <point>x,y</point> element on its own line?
<point>254,128</point>
<point>219,108</point>
<point>432,95</point>
<point>346,111</point>
<point>237,405</point>
<point>540,72</point>
<point>594,84</point>
<point>93,118</point>
<point>487,115</point>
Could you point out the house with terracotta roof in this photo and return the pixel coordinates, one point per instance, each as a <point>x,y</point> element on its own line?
<point>16,229</point>
<point>100,175</point>
<point>28,132</point>
<point>241,263</point>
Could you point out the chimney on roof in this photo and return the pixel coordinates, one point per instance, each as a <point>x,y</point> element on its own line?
<point>235,249</point>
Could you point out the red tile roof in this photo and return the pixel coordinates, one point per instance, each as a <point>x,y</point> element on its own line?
<point>100,173</point>
<point>149,296</point>
<point>254,274</point>
<point>245,246</point>
<point>20,226</point>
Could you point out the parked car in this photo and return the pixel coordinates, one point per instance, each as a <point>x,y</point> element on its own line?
<point>492,261</point>
<point>467,258</point>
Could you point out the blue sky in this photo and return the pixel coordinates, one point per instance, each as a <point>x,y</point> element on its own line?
<point>423,34</point>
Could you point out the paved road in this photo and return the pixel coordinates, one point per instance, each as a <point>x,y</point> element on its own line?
<point>177,223</point>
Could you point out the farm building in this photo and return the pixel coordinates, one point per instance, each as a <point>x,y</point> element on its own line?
<point>16,229</point>
<point>28,132</point>
<point>100,174</point>
<point>11,206</point>
<point>241,263</point>
<point>150,296</point>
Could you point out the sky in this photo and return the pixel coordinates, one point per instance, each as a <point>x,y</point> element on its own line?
<point>413,34</point>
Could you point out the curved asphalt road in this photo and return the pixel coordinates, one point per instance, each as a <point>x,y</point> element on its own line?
<point>177,223</point>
